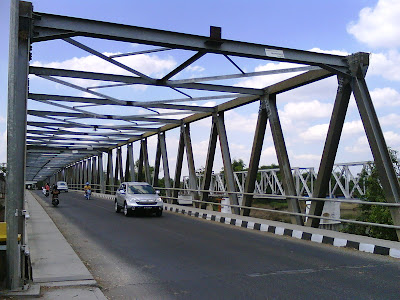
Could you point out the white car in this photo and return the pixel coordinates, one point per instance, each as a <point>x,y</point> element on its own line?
<point>62,186</point>
<point>133,197</point>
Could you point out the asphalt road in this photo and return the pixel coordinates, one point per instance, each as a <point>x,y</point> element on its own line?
<point>181,257</point>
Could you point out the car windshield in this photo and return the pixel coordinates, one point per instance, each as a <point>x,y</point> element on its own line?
<point>140,189</point>
<point>61,183</point>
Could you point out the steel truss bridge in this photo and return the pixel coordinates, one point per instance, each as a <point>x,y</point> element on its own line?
<point>345,181</point>
<point>72,133</point>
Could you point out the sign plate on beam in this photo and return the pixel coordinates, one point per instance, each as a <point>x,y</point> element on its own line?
<point>274,53</point>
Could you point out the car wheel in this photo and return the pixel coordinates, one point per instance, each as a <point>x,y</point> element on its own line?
<point>159,213</point>
<point>127,211</point>
<point>116,207</point>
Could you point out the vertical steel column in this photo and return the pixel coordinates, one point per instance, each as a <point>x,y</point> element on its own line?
<point>19,48</point>
<point>212,143</point>
<point>89,170</point>
<point>226,157</point>
<point>100,174</point>
<point>258,141</point>
<point>93,174</point>
<point>283,160</point>
<point>117,170</point>
<point>190,162</point>
<point>358,63</point>
<point>146,160</point>
<point>140,167</point>
<point>85,173</point>
<point>321,187</point>
<point>131,162</point>
<point>157,163</point>
<point>109,179</point>
<point>178,167</point>
<point>127,165</point>
<point>164,154</point>
<point>121,170</point>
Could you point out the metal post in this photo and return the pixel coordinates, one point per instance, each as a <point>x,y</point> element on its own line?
<point>157,163</point>
<point>255,155</point>
<point>212,143</point>
<point>388,179</point>
<point>167,178</point>
<point>140,167</point>
<point>190,161</point>
<point>20,31</point>
<point>322,184</point>
<point>226,157</point>
<point>121,171</point>
<point>109,179</point>
<point>127,165</point>
<point>146,161</point>
<point>178,167</point>
<point>100,174</point>
<point>131,162</point>
<point>283,159</point>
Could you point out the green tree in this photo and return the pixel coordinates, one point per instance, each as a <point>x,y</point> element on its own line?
<point>375,213</point>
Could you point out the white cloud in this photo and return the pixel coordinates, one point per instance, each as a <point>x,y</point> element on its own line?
<point>386,65</point>
<point>360,146</point>
<point>315,133</point>
<point>384,97</point>
<point>236,122</point>
<point>306,110</point>
<point>390,120</point>
<point>319,132</point>
<point>196,68</point>
<point>352,128</point>
<point>392,138</point>
<point>378,26</point>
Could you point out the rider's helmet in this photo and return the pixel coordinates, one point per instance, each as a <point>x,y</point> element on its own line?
<point>87,183</point>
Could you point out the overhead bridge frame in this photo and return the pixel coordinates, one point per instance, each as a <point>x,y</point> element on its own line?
<point>71,144</point>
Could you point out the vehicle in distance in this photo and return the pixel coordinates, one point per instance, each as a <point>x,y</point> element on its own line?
<point>133,197</point>
<point>62,186</point>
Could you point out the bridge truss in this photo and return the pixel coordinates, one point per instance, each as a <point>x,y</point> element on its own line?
<point>68,133</point>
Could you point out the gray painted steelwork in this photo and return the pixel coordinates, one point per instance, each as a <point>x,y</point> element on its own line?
<point>63,141</point>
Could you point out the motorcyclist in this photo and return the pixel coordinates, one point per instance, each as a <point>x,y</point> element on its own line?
<point>87,187</point>
<point>55,192</point>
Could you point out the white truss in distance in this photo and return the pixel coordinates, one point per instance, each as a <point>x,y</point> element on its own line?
<point>345,181</point>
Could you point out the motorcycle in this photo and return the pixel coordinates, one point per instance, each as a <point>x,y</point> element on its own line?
<point>55,200</point>
<point>88,193</point>
<point>45,192</point>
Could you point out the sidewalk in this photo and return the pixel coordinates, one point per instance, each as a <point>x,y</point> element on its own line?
<point>58,273</point>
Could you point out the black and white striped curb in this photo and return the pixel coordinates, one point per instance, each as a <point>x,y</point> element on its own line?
<point>280,230</point>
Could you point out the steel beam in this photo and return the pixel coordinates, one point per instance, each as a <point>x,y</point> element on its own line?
<point>226,157</point>
<point>283,160</point>
<point>19,48</point>
<point>50,27</point>
<point>321,186</point>
<point>255,155</point>
<point>157,162</point>
<point>146,164</point>
<point>388,179</point>
<point>101,174</point>
<point>48,72</point>
<point>178,167</point>
<point>164,155</point>
<point>205,185</point>
<point>109,179</point>
<point>190,162</point>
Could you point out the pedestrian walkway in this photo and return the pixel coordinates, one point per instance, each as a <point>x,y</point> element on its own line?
<point>57,271</point>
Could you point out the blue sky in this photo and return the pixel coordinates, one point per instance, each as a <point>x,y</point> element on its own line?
<point>340,26</point>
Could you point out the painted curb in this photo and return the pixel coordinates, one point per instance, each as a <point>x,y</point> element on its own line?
<point>281,230</point>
